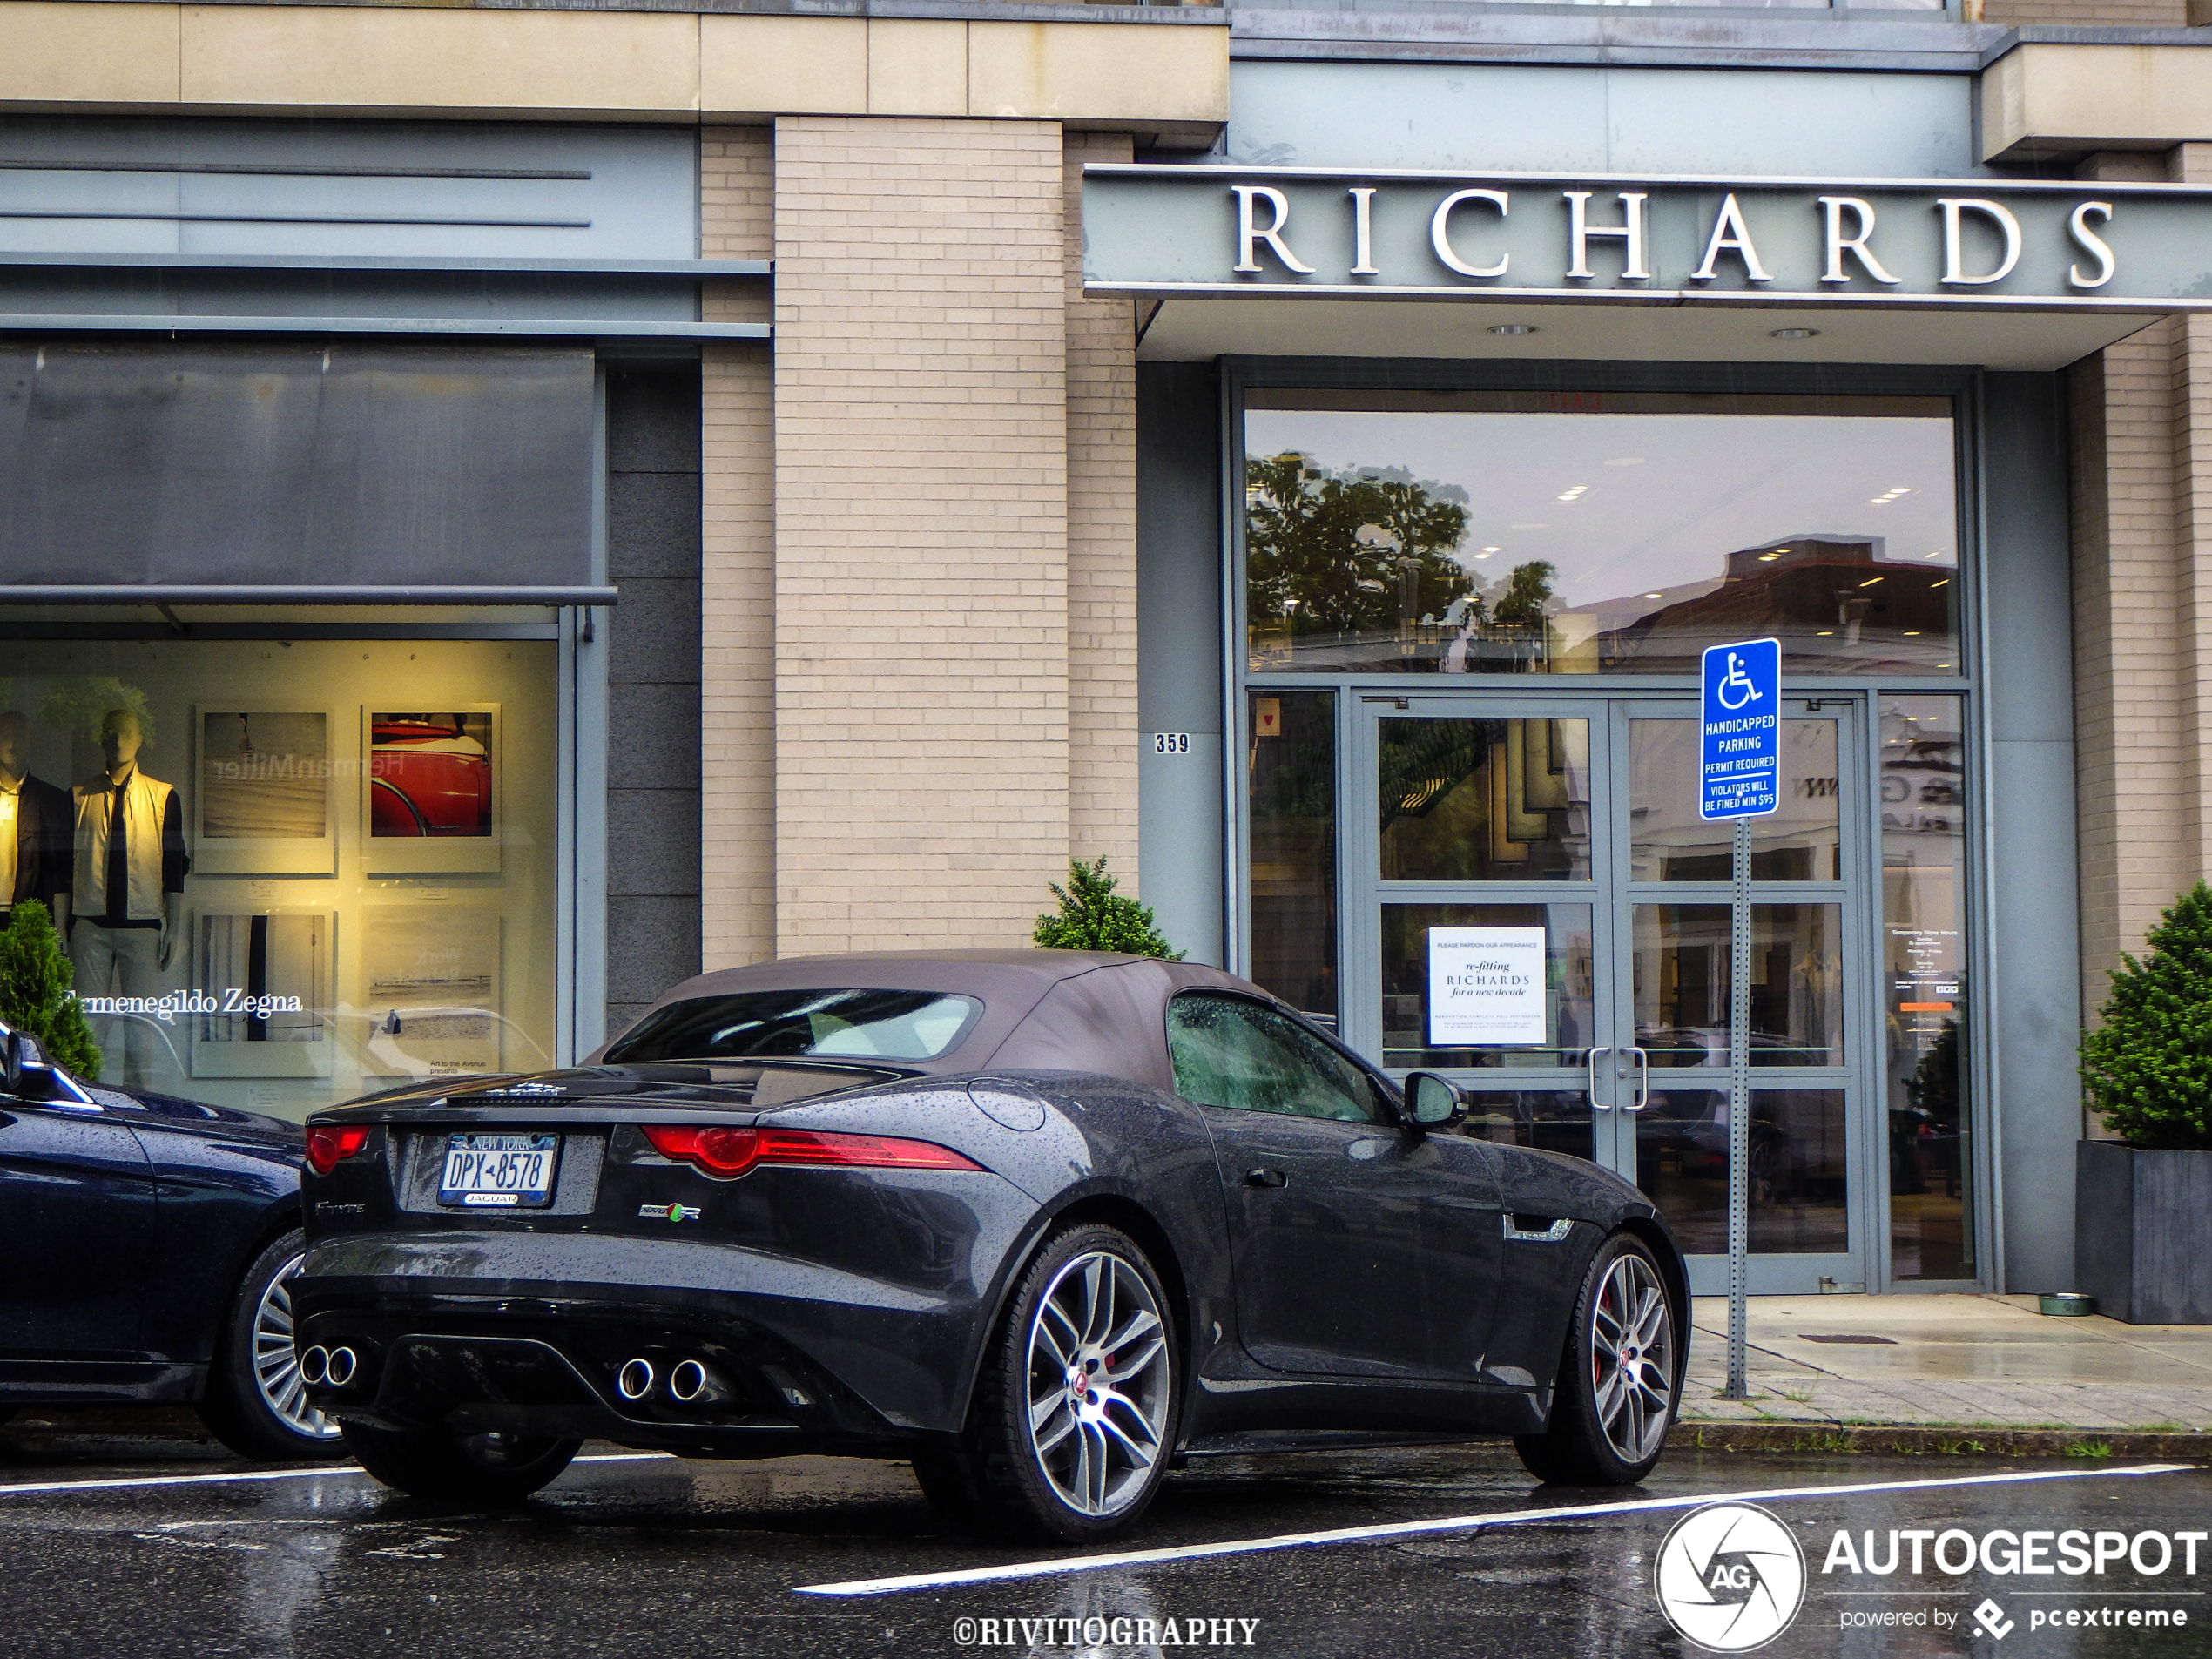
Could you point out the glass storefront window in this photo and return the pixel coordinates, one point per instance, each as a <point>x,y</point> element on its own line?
<point>1668,842</point>
<point>1291,801</point>
<point>1569,1018</point>
<point>1923,873</point>
<point>1549,1120</point>
<point>1485,801</point>
<point>1682,984</point>
<point>1585,533</point>
<point>1798,1169</point>
<point>296,871</point>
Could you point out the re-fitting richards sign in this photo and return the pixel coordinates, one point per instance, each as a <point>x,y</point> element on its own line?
<point>1739,748</point>
<point>1978,242</point>
<point>1485,987</point>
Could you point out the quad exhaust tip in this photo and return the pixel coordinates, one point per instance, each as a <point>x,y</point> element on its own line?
<point>635,1379</point>
<point>333,1366</point>
<point>691,1382</point>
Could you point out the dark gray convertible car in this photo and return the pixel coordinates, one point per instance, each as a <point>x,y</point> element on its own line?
<point>1040,1220</point>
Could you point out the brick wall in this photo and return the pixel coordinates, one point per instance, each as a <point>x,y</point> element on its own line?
<point>2108,14</point>
<point>2141,413</point>
<point>1102,547</point>
<point>921,583</point>
<point>738,803</point>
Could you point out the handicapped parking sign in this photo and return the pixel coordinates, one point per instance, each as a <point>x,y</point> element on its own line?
<point>1739,752</point>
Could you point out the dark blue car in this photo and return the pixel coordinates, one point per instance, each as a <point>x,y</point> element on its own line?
<point>146,1245</point>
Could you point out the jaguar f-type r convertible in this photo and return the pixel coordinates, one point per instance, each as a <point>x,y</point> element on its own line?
<point>1043,1222</point>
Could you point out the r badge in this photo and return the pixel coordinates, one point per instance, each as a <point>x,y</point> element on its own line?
<point>669,1211</point>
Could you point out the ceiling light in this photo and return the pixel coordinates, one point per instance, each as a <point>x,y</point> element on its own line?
<point>1825,632</point>
<point>1769,558</point>
<point>1911,633</point>
<point>1933,586</point>
<point>1869,582</point>
<point>1512,327</point>
<point>1494,549</point>
<point>1485,553</point>
<point>1792,334</point>
<point>1651,595</point>
<point>1573,492</point>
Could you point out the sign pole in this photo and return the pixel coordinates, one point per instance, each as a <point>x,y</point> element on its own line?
<point>1739,1114</point>
<point>1739,768</point>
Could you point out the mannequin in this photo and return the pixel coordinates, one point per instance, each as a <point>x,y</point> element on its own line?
<point>127,901</point>
<point>34,839</point>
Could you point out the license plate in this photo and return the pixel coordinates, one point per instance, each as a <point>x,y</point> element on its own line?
<point>499,1171</point>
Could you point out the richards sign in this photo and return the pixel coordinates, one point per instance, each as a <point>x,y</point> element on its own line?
<point>1157,229</point>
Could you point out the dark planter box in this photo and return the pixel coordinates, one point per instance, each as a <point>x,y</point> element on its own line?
<point>2142,1232</point>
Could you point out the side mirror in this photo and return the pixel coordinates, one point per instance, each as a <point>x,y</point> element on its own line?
<point>1434,1103</point>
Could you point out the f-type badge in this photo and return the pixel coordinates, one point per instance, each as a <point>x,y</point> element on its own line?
<point>669,1211</point>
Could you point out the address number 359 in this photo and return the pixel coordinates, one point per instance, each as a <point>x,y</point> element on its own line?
<point>1171,742</point>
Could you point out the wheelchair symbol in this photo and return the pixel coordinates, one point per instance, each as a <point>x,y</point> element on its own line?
<point>1736,682</point>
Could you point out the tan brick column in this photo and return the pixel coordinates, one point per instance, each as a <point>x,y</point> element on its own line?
<point>921,530</point>
<point>2143,616</point>
<point>738,796</point>
<point>1102,547</point>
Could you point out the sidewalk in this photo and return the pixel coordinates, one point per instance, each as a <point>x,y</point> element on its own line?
<point>1990,1363</point>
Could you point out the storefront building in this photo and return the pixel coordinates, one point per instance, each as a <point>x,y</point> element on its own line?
<point>500,508</point>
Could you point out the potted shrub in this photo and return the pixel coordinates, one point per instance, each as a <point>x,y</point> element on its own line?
<point>2143,1202</point>
<point>1092,916</point>
<point>35,995</point>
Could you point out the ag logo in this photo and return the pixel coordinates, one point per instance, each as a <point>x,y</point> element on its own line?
<point>1732,1577</point>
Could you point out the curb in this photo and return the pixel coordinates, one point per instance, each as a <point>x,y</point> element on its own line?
<point>1917,1440</point>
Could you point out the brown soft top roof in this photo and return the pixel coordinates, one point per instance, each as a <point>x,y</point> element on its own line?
<point>1111,1024</point>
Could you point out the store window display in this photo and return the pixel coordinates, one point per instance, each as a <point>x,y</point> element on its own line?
<point>35,838</point>
<point>294,871</point>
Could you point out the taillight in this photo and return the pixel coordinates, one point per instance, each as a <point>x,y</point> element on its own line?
<point>727,1153</point>
<point>327,1143</point>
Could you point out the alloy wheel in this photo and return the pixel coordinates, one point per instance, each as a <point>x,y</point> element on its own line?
<point>276,1365</point>
<point>1632,1359</point>
<point>1098,1390</point>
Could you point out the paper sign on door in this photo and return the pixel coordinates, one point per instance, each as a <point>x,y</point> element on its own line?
<point>1485,987</point>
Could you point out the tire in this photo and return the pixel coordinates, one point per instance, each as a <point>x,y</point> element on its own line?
<point>457,1468</point>
<point>255,1402</point>
<point>1620,1381</point>
<point>1038,1459</point>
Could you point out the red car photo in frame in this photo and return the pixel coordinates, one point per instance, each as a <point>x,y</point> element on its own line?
<point>429,775</point>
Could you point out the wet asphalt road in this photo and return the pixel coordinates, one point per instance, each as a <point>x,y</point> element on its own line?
<point>660,1557</point>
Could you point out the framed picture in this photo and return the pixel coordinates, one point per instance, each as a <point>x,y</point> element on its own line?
<point>432,991</point>
<point>431,801</point>
<point>266,980</point>
<point>262,806</point>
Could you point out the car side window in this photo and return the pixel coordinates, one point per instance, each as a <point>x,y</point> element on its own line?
<point>1229,1051</point>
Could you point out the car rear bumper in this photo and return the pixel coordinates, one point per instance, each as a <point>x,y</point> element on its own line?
<point>529,1331</point>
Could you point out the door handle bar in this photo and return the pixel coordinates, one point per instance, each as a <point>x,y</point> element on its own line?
<point>1595,1104</point>
<point>1643,1078</point>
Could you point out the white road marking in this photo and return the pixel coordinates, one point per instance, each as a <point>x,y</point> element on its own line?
<point>1416,1529</point>
<point>344,1471</point>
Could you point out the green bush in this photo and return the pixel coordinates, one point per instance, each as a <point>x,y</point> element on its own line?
<point>1092,916</point>
<point>2148,1067</point>
<point>35,996</point>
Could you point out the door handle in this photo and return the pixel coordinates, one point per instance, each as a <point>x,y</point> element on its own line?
<point>1643,1079</point>
<point>1265,1178</point>
<point>1596,1104</point>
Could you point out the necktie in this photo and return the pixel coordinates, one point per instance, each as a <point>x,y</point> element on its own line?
<point>119,862</point>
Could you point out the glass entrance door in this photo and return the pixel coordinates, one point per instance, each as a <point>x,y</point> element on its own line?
<point>1534,907</point>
